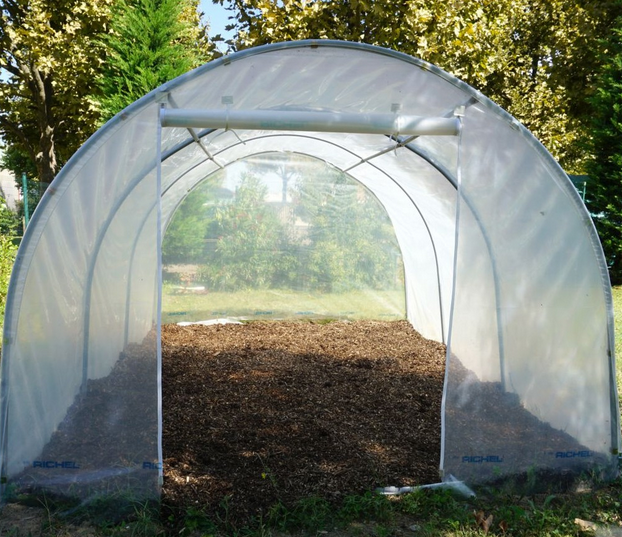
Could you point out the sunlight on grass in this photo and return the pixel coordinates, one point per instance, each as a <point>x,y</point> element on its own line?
<point>280,304</point>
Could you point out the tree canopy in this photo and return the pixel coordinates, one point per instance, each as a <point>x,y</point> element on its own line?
<point>68,65</point>
<point>321,232</point>
<point>605,167</point>
<point>49,56</point>
<point>534,58</point>
<point>151,42</point>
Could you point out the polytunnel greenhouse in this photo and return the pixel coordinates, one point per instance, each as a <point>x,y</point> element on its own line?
<point>472,233</point>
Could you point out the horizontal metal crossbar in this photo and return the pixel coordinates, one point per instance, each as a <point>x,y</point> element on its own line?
<point>310,121</point>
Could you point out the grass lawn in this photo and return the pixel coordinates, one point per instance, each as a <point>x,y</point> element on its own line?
<point>181,305</point>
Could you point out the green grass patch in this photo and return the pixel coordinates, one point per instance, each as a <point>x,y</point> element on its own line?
<point>427,513</point>
<point>423,513</point>
<point>179,304</point>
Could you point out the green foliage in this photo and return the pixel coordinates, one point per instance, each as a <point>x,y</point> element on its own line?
<point>605,168</point>
<point>184,240</point>
<point>326,234</point>
<point>432,512</point>
<point>151,42</point>
<point>10,222</point>
<point>535,58</point>
<point>436,508</point>
<point>425,513</point>
<point>310,514</point>
<point>352,241</point>
<point>617,315</point>
<point>49,56</point>
<point>52,53</point>
<point>8,251</point>
<point>196,520</point>
<point>18,162</point>
<point>248,235</point>
<point>369,506</point>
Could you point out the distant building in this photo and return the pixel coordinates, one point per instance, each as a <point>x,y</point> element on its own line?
<point>9,189</point>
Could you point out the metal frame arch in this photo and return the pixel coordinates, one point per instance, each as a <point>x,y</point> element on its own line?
<point>24,259</point>
<point>390,178</point>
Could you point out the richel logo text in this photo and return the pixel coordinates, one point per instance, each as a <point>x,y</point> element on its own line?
<point>572,454</point>
<point>479,459</point>
<point>68,465</point>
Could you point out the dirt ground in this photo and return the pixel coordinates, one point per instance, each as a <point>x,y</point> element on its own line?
<point>267,412</point>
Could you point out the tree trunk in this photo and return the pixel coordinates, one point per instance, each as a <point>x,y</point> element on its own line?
<point>46,157</point>
<point>42,90</point>
<point>615,270</point>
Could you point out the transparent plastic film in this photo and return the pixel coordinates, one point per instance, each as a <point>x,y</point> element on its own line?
<point>82,408</point>
<point>525,395</point>
<point>479,242</point>
<point>281,236</point>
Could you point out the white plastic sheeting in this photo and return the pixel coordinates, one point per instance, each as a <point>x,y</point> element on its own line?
<point>500,261</point>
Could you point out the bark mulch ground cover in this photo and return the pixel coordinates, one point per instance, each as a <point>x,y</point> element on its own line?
<point>275,412</point>
<point>280,411</point>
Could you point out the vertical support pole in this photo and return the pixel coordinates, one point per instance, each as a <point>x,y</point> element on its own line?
<point>159,286</point>
<point>25,195</point>
<point>460,115</point>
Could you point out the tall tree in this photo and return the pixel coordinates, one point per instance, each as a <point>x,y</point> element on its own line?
<point>552,58</point>
<point>48,59</point>
<point>535,58</point>
<point>248,232</point>
<point>605,168</point>
<point>151,42</point>
<point>350,242</point>
<point>184,240</point>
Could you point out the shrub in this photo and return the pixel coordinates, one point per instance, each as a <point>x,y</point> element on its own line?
<point>8,250</point>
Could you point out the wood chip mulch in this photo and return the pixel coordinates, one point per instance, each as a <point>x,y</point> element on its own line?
<point>280,411</point>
